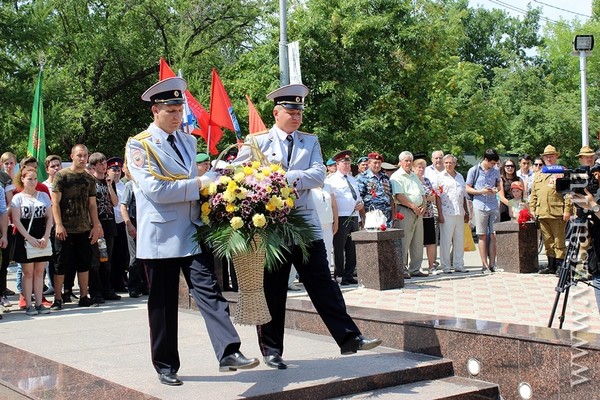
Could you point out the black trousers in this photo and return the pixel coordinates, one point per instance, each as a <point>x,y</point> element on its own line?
<point>163,303</point>
<point>322,290</point>
<point>344,249</point>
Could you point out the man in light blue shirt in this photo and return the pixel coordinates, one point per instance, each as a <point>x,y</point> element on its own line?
<point>483,183</point>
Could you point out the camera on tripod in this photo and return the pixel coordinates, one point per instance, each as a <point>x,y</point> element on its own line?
<point>577,180</point>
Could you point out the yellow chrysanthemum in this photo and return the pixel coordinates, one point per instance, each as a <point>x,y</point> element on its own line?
<point>270,206</point>
<point>230,208</point>
<point>274,167</point>
<point>239,176</point>
<point>248,171</point>
<point>241,193</point>
<point>236,222</point>
<point>205,208</point>
<point>286,192</point>
<point>232,186</point>
<point>224,180</point>
<point>259,220</point>
<point>290,202</point>
<point>212,189</point>
<point>255,164</point>
<point>205,219</point>
<point>229,196</point>
<point>266,171</point>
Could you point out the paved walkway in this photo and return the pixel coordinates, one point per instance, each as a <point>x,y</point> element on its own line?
<point>525,299</point>
<point>111,342</point>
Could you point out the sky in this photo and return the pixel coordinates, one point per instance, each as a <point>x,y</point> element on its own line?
<point>552,10</point>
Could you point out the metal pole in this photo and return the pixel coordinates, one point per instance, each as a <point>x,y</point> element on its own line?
<point>284,72</point>
<point>584,107</point>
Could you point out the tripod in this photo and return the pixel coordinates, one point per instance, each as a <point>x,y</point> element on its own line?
<point>577,233</point>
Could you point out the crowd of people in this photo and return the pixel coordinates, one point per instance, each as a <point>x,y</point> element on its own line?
<point>83,222</point>
<point>52,231</point>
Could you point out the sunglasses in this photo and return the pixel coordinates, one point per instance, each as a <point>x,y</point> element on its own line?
<point>538,164</point>
<point>509,166</point>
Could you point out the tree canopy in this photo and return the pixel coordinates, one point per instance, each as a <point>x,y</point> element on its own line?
<point>384,76</point>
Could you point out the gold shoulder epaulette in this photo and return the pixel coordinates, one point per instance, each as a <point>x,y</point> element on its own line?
<point>260,133</point>
<point>142,135</point>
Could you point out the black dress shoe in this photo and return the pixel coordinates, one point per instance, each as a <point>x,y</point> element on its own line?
<point>236,361</point>
<point>352,345</point>
<point>111,296</point>
<point>352,281</point>
<point>170,378</point>
<point>275,362</point>
<point>135,295</point>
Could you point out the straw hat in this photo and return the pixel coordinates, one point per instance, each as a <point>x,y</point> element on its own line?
<point>586,151</point>
<point>550,150</point>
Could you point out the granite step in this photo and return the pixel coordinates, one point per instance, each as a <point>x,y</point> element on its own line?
<point>354,376</point>
<point>453,387</point>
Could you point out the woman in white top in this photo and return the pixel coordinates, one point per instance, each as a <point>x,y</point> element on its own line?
<point>324,204</point>
<point>32,216</point>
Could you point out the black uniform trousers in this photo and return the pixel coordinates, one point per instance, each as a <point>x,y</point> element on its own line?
<point>344,249</point>
<point>163,304</point>
<point>322,290</point>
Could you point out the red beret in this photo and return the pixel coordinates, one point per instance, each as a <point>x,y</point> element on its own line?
<point>375,156</point>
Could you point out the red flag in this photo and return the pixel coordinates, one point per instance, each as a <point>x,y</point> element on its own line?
<point>200,113</point>
<point>221,111</point>
<point>255,122</point>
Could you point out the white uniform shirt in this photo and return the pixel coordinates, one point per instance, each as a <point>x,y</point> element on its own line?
<point>343,195</point>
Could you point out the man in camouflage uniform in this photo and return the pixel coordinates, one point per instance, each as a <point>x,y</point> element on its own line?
<point>553,210</point>
<point>374,188</point>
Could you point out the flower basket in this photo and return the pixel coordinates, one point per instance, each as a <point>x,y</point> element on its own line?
<point>252,306</point>
<point>249,218</point>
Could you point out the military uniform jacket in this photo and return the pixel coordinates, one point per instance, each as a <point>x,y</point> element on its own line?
<point>166,193</point>
<point>305,170</point>
<point>544,201</point>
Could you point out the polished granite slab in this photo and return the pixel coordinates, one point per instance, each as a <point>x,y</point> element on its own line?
<point>28,374</point>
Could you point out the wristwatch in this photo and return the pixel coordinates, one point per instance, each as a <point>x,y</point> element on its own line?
<point>596,208</point>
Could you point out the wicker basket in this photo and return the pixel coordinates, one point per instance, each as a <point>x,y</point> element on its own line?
<point>252,306</point>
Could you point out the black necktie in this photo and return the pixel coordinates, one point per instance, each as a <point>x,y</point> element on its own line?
<point>171,140</point>
<point>354,196</point>
<point>290,144</point>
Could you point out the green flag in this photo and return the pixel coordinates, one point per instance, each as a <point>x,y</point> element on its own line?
<point>37,136</point>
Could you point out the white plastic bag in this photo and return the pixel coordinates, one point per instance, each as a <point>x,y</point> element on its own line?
<point>374,219</point>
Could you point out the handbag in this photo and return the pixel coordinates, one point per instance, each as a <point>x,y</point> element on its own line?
<point>374,219</point>
<point>36,252</point>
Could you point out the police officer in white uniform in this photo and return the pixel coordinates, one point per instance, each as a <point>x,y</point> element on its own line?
<point>162,161</point>
<point>300,155</point>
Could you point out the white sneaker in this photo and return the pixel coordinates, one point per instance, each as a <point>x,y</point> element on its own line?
<point>5,302</point>
<point>461,269</point>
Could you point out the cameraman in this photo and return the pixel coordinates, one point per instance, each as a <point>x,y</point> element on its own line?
<point>589,202</point>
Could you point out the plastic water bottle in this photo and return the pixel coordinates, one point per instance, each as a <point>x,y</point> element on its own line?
<point>102,250</point>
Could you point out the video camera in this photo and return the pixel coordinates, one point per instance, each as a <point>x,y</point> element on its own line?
<point>575,180</point>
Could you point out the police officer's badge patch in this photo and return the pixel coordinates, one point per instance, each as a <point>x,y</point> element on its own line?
<point>138,158</point>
